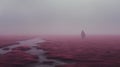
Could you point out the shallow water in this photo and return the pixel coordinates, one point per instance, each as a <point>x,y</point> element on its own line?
<point>39,52</point>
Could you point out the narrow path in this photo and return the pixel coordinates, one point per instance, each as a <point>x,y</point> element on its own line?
<point>39,52</point>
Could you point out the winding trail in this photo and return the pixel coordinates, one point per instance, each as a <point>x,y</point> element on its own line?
<point>39,52</point>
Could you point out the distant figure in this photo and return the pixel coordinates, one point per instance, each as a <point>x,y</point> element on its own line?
<point>83,35</point>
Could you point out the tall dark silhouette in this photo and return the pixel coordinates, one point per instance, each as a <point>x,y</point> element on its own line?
<point>83,35</point>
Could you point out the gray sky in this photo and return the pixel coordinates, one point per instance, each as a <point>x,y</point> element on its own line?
<point>59,16</point>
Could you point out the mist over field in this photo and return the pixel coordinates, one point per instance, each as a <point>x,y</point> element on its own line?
<point>59,33</point>
<point>59,16</point>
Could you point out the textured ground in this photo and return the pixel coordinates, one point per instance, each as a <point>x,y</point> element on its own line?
<point>95,51</point>
<point>61,51</point>
<point>10,40</point>
<point>26,54</point>
<point>16,57</point>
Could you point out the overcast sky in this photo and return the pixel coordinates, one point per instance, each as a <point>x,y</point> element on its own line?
<point>59,16</point>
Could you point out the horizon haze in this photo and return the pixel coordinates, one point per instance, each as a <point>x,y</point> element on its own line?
<point>62,17</point>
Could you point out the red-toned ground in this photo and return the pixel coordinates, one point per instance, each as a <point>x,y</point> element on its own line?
<point>94,51</point>
<point>22,48</point>
<point>17,58</point>
<point>10,40</point>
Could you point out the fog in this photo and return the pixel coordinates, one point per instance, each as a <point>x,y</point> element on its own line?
<point>59,16</point>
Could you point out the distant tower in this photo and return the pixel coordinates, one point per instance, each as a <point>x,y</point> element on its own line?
<point>83,35</point>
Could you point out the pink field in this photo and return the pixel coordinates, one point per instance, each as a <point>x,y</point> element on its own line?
<point>10,40</point>
<point>94,51</point>
<point>15,57</point>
